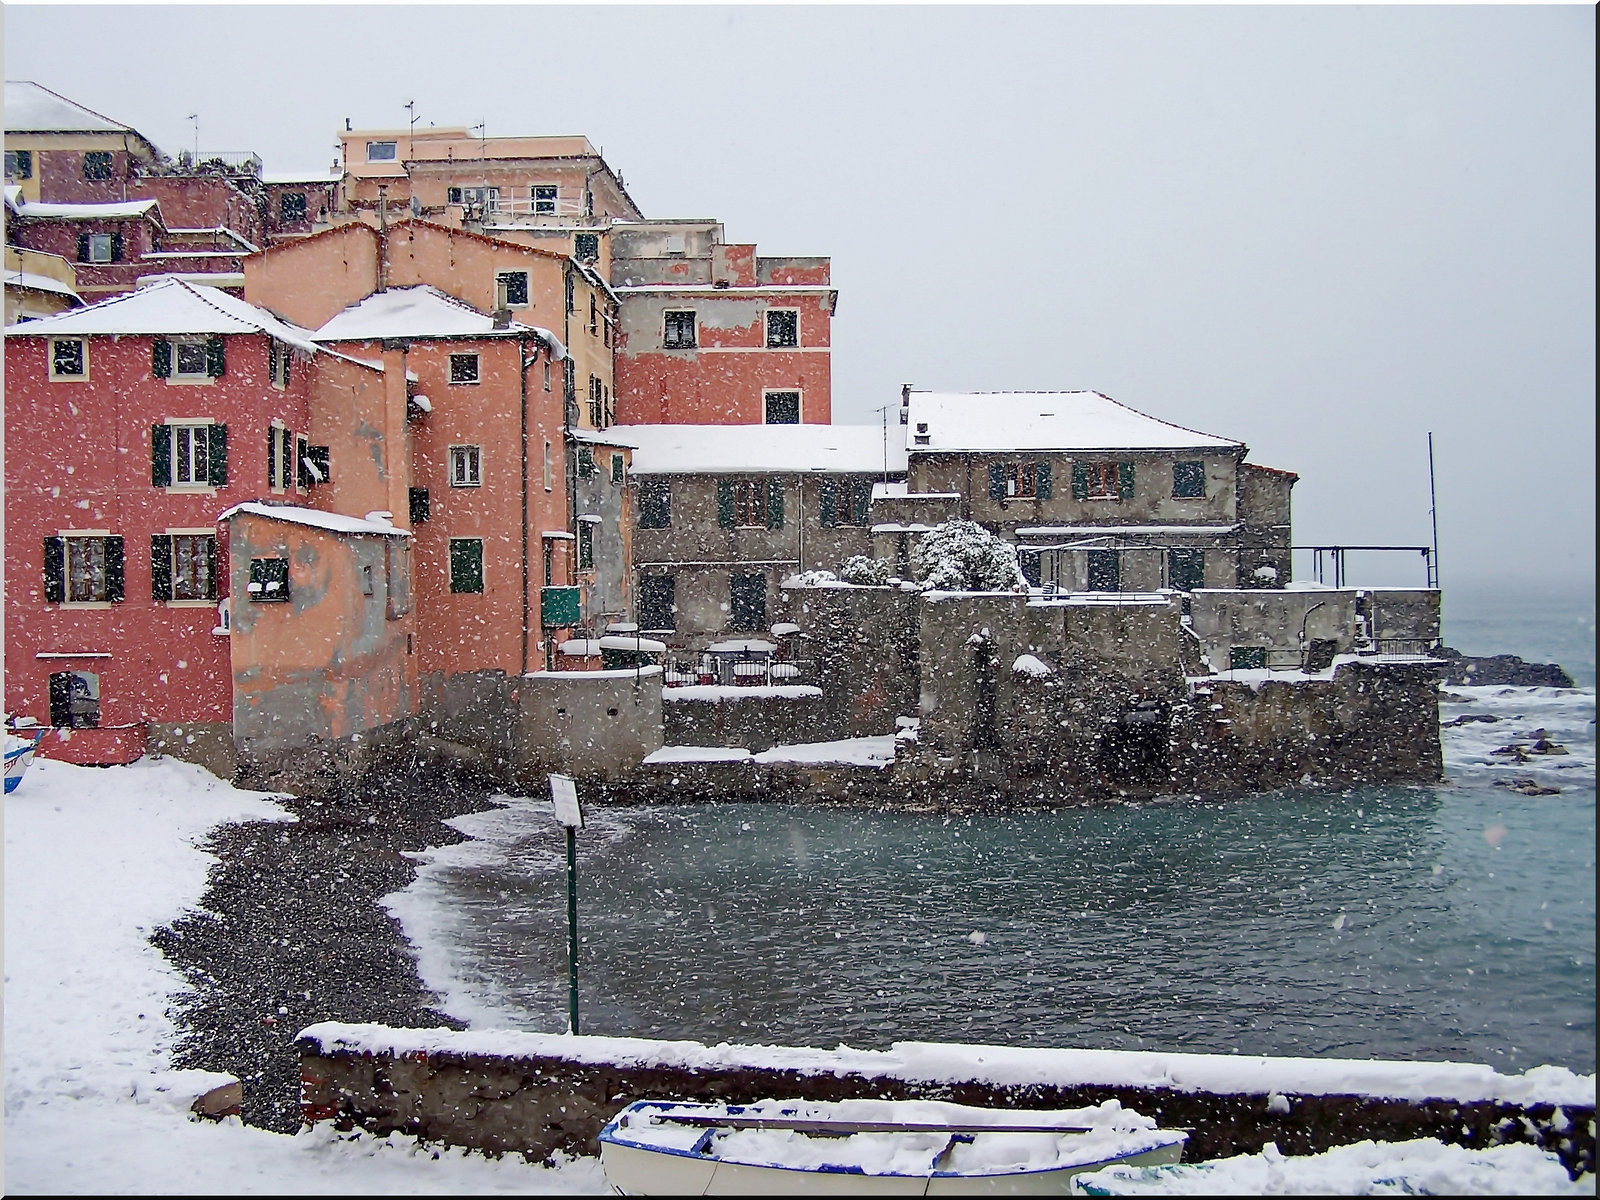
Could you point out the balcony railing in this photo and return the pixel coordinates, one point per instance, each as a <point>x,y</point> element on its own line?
<point>215,162</point>
<point>743,670</point>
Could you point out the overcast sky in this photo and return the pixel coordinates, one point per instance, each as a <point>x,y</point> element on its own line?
<point>1322,231</point>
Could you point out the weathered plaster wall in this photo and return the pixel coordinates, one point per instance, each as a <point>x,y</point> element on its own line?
<point>755,723</point>
<point>1271,620</point>
<point>864,641</point>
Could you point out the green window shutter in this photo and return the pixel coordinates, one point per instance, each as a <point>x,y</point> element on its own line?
<point>827,499</point>
<point>585,462</point>
<point>997,481</point>
<point>860,498</point>
<point>55,570</point>
<point>116,247</point>
<point>160,358</point>
<point>1080,481</point>
<point>466,565</point>
<point>217,466</point>
<point>161,455</point>
<point>616,468</point>
<point>114,574</point>
<point>1041,477</point>
<point>216,358</point>
<point>774,503</point>
<point>1125,480</point>
<point>160,567</point>
<point>83,247</point>
<point>725,503</point>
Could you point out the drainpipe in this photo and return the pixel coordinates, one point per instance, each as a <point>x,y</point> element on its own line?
<point>1305,651</point>
<point>383,238</point>
<point>523,376</point>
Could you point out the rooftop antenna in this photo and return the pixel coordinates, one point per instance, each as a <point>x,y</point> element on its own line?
<point>1433,513</point>
<point>411,107</point>
<point>195,117</point>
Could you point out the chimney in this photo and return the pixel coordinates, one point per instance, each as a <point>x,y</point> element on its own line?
<point>502,318</point>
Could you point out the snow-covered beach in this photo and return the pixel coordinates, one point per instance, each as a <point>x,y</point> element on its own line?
<point>98,859</point>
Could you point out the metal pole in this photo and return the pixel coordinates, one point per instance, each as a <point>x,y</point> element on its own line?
<point>572,928</point>
<point>1433,512</point>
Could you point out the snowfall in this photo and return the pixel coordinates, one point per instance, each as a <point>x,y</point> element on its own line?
<point>97,859</point>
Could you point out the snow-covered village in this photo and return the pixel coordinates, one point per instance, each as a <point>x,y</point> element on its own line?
<point>494,705</point>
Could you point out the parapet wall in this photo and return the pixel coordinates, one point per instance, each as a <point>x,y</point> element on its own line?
<point>540,1094</point>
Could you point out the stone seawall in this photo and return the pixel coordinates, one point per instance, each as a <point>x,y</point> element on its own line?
<point>536,1094</point>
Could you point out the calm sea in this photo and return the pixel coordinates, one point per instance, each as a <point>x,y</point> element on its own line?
<point>1446,922</point>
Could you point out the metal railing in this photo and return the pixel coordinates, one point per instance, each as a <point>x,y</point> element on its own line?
<point>1401,647</point>
<point>737,670</point>
<point>216,162</point>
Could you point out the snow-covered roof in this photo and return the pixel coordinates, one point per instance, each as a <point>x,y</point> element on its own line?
<point>316,518</point>
<point>219,279</point>
<point>34,109</point>
<point>996,422</point>
<point>600,437</point>
<point>39,283</point>
<point>116,210</point>
<point>172,307</point>
<point>714,449</point>
<point>321,175</point>
<point>421,312</point>
<point>1119,530</point>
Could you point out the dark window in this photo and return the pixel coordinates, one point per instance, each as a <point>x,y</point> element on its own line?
<point>597,403</point>
<point>658,607</point>
<point>586,544</point>
<point>1189,480</point>
<point>74,700</point>
<point>183,566</point>
<point>280,452</point>
<point>616,468</point>
<point>466,565</point>
<point>1105,571</point>
<point>544,199</point>
<point>585,462</point>
<point>1186,569</point>
<point>678,332</point>
<point>655,504</point>
<point>1247,658</point>
<point>463,368</point>
<point>748,602</point>
<point>844,501</point>
<point>97,164</point>
<point>189,360</point>
<point>291,207</point>
<point>586,247</point>
<point>1028,563</point>
<point>783,328</point>
<point>269,580</point>
<point>313,464</point>
<point>67,358</point>
<point>19,164</point>
<point>382,151</point>
<point>99,247</point>
<point>191,445</point>
<point>750,503</point>
<point>466,466</point>
<point>420,506</point>
<point>782,408</point>
<point>1102,481</point>
<point>513,288</point>
<point>278,357</point>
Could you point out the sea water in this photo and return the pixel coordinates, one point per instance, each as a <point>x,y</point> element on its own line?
<point>1453,921</point>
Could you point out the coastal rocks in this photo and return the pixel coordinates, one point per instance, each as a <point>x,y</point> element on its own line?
<point>1527,786</point>
<point>1498,670</point>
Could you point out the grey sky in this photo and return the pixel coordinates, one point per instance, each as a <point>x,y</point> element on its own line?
<point>1324,231</point>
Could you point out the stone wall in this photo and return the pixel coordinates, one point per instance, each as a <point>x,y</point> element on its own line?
<point>760,720</point>
<point>592,725</point>
<point>542,1103</point>
<point>206,743</point>
<point>865,643</point>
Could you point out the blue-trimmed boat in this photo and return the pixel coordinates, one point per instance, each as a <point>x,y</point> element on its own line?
<point>19,755</point>
<point>869,1148</point>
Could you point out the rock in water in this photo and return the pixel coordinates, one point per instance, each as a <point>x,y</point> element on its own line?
<point>1499,670</point>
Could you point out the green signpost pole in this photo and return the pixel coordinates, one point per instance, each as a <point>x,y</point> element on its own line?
<point>572,927</point>
<point>564,798</point>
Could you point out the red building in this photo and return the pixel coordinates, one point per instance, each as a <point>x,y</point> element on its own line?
<point>130,425</point>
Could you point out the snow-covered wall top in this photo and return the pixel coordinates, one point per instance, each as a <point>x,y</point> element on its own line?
<point>950,1062</point>
<point>714,449</point>
<point>1001,421</point>
<point>316,518</point>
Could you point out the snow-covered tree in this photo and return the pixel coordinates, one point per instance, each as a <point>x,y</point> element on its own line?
<point>866,571</point>
<point>963,556</point>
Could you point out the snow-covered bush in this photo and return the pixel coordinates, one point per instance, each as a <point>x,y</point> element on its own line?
<point>808,579</point>
<point>963,556</point>
<point>866,571</point>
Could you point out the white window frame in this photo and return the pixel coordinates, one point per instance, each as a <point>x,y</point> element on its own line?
<point>279,440</point>
<point>197,431</point>
<point>216,584</point>
<point>69,537</point>
<point>83,351</point>
<point>179,374</point>
<point>374,153</point>
<point>694,328</point>
<point>554,199</point>
<point>466,466</point>
<point>477,369</point>
<point>101,242</point>
<point>549,468</point>
<point>766,328</point>
<point>502,295</point>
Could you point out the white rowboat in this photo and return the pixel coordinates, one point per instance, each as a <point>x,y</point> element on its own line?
<point>869,1147</point>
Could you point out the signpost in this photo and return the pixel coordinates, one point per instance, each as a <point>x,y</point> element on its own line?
<point>564,798</point>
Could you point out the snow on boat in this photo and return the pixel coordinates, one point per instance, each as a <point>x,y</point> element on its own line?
<point>870,1147</point>
<point>19,754</point>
